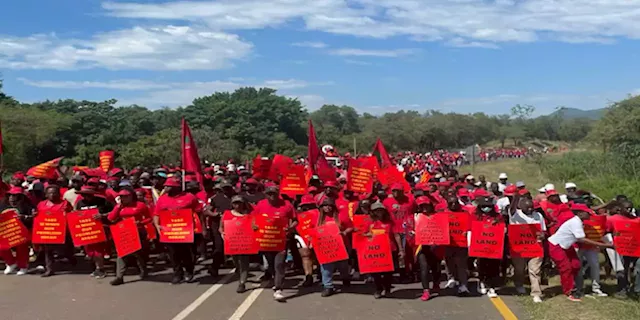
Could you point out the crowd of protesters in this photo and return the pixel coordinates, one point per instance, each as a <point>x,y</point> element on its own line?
<point>231,192</point>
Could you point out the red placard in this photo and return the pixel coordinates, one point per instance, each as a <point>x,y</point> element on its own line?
<point>49,227</point>
<point>306,220</point>
<point>177,226</point>
<point>360,175</point>
<point>523,240</point>
<point>433,229</point>
<point>361,223</point>
<point>271,234</point>
<point>126,237</point>
<point>458,227</point>
<point>390,175</point>
<point>487,240</point>
<point>293,182</point>
<point>84,229</point>
<point>12,232</point>
<point>261,167</point>
<point>239,237</point>
<point>595,227</point>
<point>152,233</point>
<point>328,244</point>
<point>374,254</point>
<point>627,237</point>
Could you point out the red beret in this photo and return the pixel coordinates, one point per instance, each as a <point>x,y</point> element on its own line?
<point>173,182</point>
<point>422,200</point>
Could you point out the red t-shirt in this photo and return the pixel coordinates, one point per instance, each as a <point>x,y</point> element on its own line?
<point>63,205</point>
<point>281,210</point>
<point>180,201</point>
<point>140,212</point>
<point>379,227</point>
<point>401,210</point>
<point>616,217</point>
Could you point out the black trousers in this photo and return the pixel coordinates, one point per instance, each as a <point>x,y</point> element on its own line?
<point>181,258</point>
<point>218,244</point>
<point>489,271</point>
<point>276,266</point>
<point>429,267</point>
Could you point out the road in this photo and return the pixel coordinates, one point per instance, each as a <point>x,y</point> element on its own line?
<point>76,296</point>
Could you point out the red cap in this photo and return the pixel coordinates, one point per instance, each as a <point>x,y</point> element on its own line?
<point>481,193</point>
<point>93,180</point>
<point>307,199</point>
<point>87,189</point>
<point>312,189</point>
<point>173,182</point>
<point>397,186</point>
<point>251,181</point>
<point>18,175</point>
<point>125,192</point>
<point>330,184</point>
<point>510,190</point>
<point>463,192</point>
<point>522,192</point>
<point>582,207</point>
<point>15,190</point>
<point>551,193</point>
<point>422,200</point>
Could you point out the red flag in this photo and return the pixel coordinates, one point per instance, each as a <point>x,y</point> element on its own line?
<point>45,170</point>
<point>190,158</point>
<point>317,163</point>
<point>384,156</point>
<point>107,158</point>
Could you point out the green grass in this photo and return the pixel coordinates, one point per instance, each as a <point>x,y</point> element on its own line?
<point>516,169</point>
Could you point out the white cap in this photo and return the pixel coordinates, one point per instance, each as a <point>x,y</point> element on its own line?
<point>231,167</point>
<point>241,168</point>
<point>216,167</point>
<point>469,177</point>
<point>549,186</point>
<point>502,176</point>
<point>438,175</point>
<point>570,185</point>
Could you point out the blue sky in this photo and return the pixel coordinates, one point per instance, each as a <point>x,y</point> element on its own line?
<point>375,55</point>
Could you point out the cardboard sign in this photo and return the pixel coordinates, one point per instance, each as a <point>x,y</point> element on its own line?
<point>390,175</point>
<point>293,182</point>
<point>360,175</point>
<point>328,244</point>
<point>487,240</point>
<point>458,226</point>
<point>126,237</point>
<point>432,229</point>
<point>12,232</point>
<point>306,220</point>
<point>49,227</point>
<point>627,237</point>
<point>84,229</point>
<point>523,240</point>
<point>279,164</point>
<point>239,237</point>
<point>261,167</point>
<point>152,233</point>
<point>595,227</point>
<point>177,226</point>
<point>271,235</point>
<point>374,255</point>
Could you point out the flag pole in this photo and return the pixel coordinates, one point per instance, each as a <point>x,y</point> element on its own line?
<point>184,184</point>
<point>355,150</point>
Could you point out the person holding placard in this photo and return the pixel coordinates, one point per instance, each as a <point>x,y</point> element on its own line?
<point>329,214</point>
<point>240,212</point>
<point>383,223</point>
<point>96,252</point>
<point>488,269</point>
<point>16,204</point>
<point>307,219</point>
<point>456,253</point>
<point>130,207</point>
<point>623,217</point>
<point>428,258</point>
<point>54,202</point>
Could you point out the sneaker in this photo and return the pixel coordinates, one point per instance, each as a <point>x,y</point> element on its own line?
<point>451,284</point>
<point>327,292</point>
<point>435,291</point>
<point>22,272</point>
<point>278,296</point>
<point>241,288</point>
<point>98,274</point>
<point>463,291</point>
<point>10,269</point>
<point>308,281</point>
<point>425,295</point>
<point>377,295</point>
<point>537,299</point>
<point>599,293</point>
<point>188,278</point>
<point>117,282</point>
<point>574,298</point>
<point>40,268</point>
<point>521,290</point>
<point>482,288</point>
<point>492,293</point>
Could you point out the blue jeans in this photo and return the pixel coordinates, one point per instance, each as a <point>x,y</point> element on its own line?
<point>328,269</point>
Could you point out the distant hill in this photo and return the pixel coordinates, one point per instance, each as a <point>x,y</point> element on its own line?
<point>573,113</point>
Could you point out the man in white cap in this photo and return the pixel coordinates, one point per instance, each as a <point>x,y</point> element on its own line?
<point>571,189</point>
<point>502,184</point>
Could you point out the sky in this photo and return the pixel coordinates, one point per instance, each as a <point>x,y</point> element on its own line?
<point>374,55</point>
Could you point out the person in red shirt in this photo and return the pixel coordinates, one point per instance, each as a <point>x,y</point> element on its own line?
<point>54,202</point>
<point>383,223</point>
<point>401,208</point>
<point>329,214</point>
<point>240,210</point>
<point>175,199</point>
<point>130,207</point>
<point>456,257</point>
<point>622,213</point>
<point>17,206</point>
<point>307,206</point>
<point>488,269</point>
<point>428,257</point>
<point>283,213</point>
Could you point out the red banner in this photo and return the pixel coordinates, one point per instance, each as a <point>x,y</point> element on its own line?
<point>271,235</point>
<point>458,227</point>
<point>176,226</point>
<point>239,237</point>
<point>49,227</point>
<point>360,175</point>
<point>279,164</point>
<point>293,182</point>
<point>390,175</point>
<point>523,240</point>
<point>595,227</point>
<point>306,220</point>
<point>374,255</point>
<point>126,237</point>
<point>12,232</point>
<point>433,229</point>
<point>328,244</point>
<point>487,240</point>
<point>84,229</point>
<point>107,159</point>
<point>627,237</point>
<point>261,167</point>
<point>361,223</point>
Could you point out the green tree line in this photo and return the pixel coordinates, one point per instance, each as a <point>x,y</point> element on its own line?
<point>244,123</point>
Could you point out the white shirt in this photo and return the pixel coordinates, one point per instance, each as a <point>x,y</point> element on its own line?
<point>520,217</point>
<point>71,196</point>
<point>568,233</point>
<point>503,203</point>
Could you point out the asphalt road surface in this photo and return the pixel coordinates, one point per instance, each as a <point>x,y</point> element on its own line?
<point>76,296</point>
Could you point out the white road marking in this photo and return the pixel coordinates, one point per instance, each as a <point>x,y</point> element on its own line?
<point>203,297</point>
<point>246,304</point>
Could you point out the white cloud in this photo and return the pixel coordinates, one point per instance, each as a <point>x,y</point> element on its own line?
<point>152,48</point>
<point>124,84</point>
<point>373,53</point>
<point>310,44</point>
<point>311,101</point>
<point>357,62</point>
<point>461,43</point>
